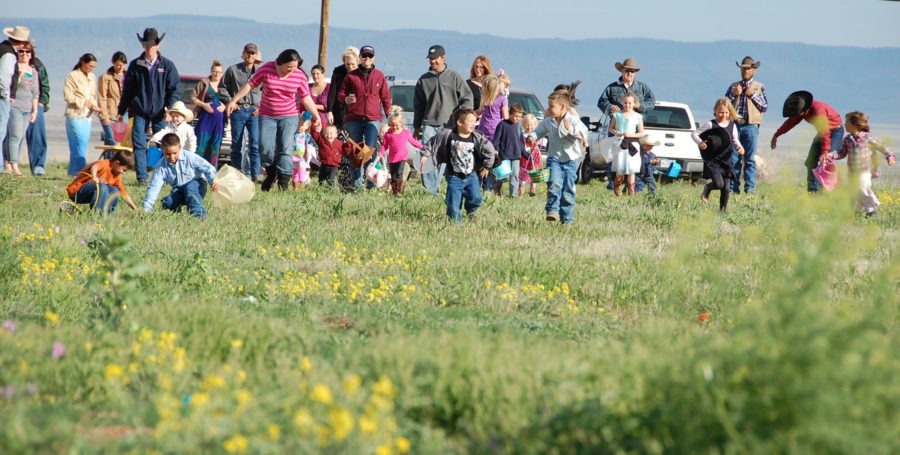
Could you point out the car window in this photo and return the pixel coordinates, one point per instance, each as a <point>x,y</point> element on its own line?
<point>402,95</point>
<point>530,102</point>
<point>667,117</point>
<point>186,87</point>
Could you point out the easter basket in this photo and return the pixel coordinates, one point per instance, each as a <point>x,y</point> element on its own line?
<point>539,175</point>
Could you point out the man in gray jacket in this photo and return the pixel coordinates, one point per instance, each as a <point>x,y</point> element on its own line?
<point>439,93</point>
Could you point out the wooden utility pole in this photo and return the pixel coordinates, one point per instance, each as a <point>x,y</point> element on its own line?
<point>323,34</point>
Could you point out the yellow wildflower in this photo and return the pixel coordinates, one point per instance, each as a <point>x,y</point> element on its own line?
<point>384,387</point>
<point>322,394</point>
<point>367,425</point>
<point>351,384</point>
<point>243,396</point>
<point>237,343</point>
<point>199,399</point>
<point>236,444</point>
<point>303,420</point>
<point>306,364</point>
<point>383,450</point>
<point>402,444</point>
<point>341,422</point>
<point>274,432</point>
<point>51,317</point>
<point>113,371</point>
<point>213,381</point>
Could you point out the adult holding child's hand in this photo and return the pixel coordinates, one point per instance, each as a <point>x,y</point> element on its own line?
<point>282,82</point>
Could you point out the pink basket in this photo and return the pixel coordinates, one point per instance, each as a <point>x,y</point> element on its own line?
<point>827,174</point>
<point>119,129</point>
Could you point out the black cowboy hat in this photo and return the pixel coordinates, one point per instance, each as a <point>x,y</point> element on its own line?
<point>717,142</point>
<point>796,103</point>
<point>151,37</point>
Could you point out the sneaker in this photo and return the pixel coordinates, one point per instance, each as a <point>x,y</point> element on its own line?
<point>67,207</point>
<point>703,198</point>
<point>39,171</point>
<point>870,214</point>
<point>552,216</point>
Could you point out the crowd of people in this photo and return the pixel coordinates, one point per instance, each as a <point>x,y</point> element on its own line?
<point>283,125</point>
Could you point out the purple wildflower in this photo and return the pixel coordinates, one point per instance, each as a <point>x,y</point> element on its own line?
<point>8,392</point>
<point>31,389</point>
<point>56,229</point>
<point>10,326</point>
<point>59,349</point>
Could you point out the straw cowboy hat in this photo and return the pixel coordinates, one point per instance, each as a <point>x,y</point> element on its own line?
<point>151,37</point>
<point>125,144</point>
<point>180,108</point>
<point>645,140</point>
<point>796,103</point>
<point>748,62</point>
<point>717,142</point>
<point>628,64</point>
<point>18,33</point>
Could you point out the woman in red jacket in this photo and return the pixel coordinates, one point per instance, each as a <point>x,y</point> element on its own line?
<point>368,100</point>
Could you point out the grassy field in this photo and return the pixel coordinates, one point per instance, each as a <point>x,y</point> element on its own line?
<point>314,322</point>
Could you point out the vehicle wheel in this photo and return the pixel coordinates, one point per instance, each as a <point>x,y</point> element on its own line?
<point>585,172</point>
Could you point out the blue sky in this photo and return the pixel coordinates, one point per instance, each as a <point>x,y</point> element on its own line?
<point>865,23</point>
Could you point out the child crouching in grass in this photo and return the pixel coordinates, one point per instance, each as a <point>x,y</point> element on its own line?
<point>566,136</point>
<point>100,183</point>
<point>468,156</point>
<point>187,173</point>
<point>859,147</point>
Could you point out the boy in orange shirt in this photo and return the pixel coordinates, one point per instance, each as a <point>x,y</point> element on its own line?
<point>100,183</point>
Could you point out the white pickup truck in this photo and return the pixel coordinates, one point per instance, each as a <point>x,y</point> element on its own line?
<point>669,123</point>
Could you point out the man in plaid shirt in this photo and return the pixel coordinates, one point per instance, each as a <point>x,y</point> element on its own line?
<point>749,99</point>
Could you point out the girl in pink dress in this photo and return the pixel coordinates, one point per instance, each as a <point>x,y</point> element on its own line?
<point>395,146</point>
<point>532,158</point>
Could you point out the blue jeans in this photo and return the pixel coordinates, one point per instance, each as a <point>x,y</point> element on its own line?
<point>747,134</point>
<point>78,132</point>
<point>241,119</point>
<point>463,189</point>
<point>648,180</point>
<point>36,137</point>
<point>107,134</point>
<point>101,197</point>
<point>359,130</point>
<point>276,142</point>
<point>139,139</point>
<point>815,150</point>
<point>190,194</point>
<point>513,179</point>
<point>561,189</point>
<point>18,123</point>
<point>432,179</point>
<point>4,121</point>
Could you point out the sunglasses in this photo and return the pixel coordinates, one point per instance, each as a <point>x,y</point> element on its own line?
<point>631,71</point>
<point>24,52</point>
<point>367,55</point>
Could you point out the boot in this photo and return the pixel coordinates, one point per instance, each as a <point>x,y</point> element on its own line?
<point>631,189</point>
<point>271,175</point>
<point>284,182</point>
<point>400,188</point>
<point>617,184</point>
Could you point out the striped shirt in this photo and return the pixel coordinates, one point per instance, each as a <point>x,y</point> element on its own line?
<point>279,96</point>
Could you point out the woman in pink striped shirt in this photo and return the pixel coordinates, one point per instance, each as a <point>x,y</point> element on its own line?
<point>283,82</point>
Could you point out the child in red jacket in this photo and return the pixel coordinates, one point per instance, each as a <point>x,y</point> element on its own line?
<point>331,150</point>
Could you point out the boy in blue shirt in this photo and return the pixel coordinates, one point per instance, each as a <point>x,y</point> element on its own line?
<point>648,164</point>
<point>187,173</point>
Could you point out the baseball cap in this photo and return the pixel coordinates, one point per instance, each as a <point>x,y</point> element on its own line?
<point>436,51</point>
<point>250,48</point>
<point>366,50</point>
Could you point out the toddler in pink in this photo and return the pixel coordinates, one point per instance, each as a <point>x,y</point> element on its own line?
<point>394,147</point>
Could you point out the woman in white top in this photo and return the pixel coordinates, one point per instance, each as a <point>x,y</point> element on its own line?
<point>629,125</point>
<point>80,93</point>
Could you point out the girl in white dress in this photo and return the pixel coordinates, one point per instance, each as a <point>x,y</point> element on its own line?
<point>629,125</point>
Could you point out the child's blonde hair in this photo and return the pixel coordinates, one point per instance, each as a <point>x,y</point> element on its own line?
<point>395,115</point>
<point>504,79</point>
<point>858,119</point>
<point>724,101</point>
<point>633,96</point>
<point>490,88</point>
<point>529,119</point>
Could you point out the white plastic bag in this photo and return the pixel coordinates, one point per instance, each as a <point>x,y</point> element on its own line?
<point>376,173</point>
<point>234,188</point>
<point>609,146</point>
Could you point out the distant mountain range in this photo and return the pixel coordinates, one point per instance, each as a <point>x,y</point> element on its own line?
<point>849,78</point>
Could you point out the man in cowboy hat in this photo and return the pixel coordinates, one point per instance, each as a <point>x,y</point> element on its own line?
<point>800,105</point>
<point>749,99</point>
<point>610,101</point>
<point>151,85</point>
<point>16,37</point>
